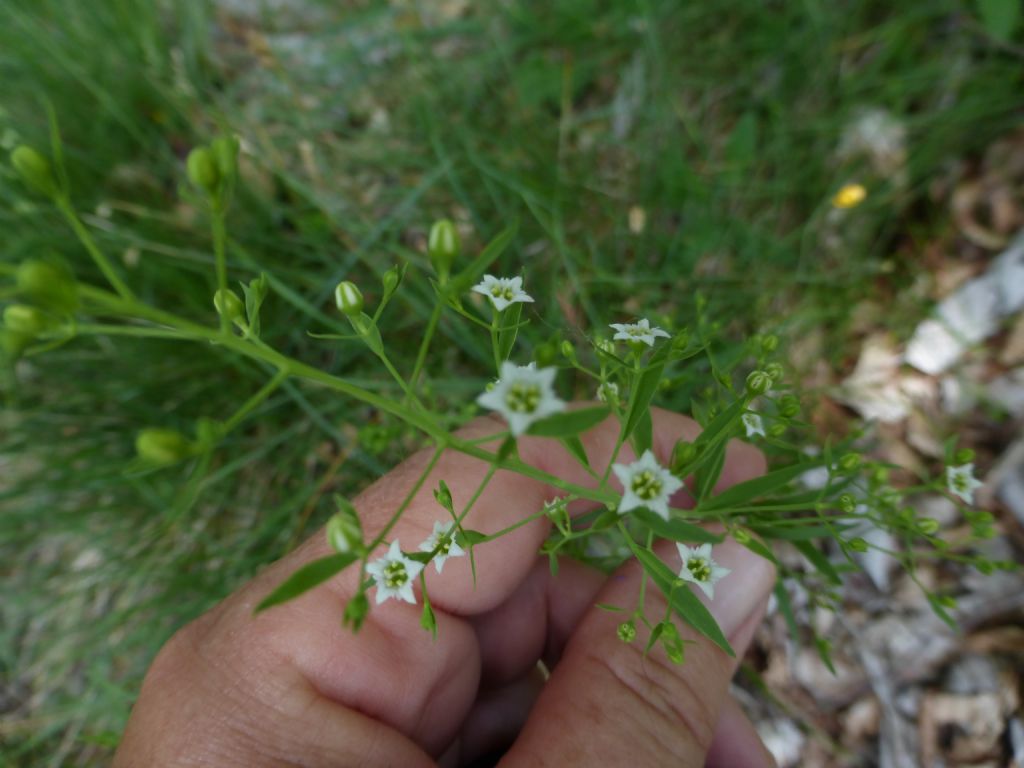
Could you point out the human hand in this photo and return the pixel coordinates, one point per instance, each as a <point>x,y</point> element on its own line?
<point>290,687</point>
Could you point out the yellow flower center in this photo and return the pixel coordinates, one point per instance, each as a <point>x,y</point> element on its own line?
<point>699,568</point>
<point>523,397</point>
<point>646,485</point>
<point>395,575</point>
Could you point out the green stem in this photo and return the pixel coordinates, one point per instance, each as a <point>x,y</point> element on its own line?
<point>220,237</point>
<point>248,406</point>
<point>421,356</point>
<point>86,239</point>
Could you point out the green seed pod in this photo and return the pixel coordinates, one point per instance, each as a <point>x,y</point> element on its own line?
<point>927,525</point>
<point>858,544</point>
<point>225,155</point>
<point>568,351</point>
<point>769,343</point>
<point>443,247</point>
<point>627,632</point>
<point>24,320</point>
<point>356,610</point>
<point>35,170</point>
<point>162,446</point>
<point>47,284</point>
<point>777,430</point>
<point>847,504</point>
<point>348,298</point>
<point>774,370</point>
<point>227,303</point>
<point>390,281</point>
<point>849,462</point>
<point>202,170</point>
<point>789,406</point>
<point>759,382</point>
<point>344,533</point>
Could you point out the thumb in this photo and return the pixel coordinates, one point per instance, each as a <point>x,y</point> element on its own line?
<point>608,704</point>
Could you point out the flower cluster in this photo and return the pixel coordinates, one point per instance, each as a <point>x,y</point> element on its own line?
<point>394,573</point>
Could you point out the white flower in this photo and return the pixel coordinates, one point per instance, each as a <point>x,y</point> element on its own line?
<point>394,574</point>
<point>608,392</point>
<point>443,535</point>
<point>503,291</point>
<point>523,395</point>
<point>753,424</point>
<point>962,482</point>
<point>641,330</point>
<point>700,568</point>
<point>646,483</point>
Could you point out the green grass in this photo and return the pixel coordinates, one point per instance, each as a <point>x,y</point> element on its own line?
<point>721,124</point>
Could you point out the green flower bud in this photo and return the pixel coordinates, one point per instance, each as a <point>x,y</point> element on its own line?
<point>391,280</point>
<point>47,284</point>
<point>789,406</point>
<point>202,169</point>
<point>443,247</point>
<point>35,170</point>
<point>769,343</point>
<point>683,453</point>
<point>858,544</point>
<point>774,370</point>
<point>356,610</point>
<point>162,446</point>
<point>849,462</point>
<point>348,298</point>
<point>24,320</point>
<point>847,504</point>
<point>627,631</point>
<point>880,476</point>
<point>568,351</point>
<point>344,532</point>
<point>742,535</point>
<point>963,456</point>
<point>927,525</point>
<point>758,382</point>
<point>227,303</point>
<point>777,430</point>
<point>225,155</point>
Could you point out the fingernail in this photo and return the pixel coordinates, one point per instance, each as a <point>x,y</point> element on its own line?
<point>739,594</point>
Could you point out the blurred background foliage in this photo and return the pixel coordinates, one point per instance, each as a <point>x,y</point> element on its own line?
<point>650,150</point>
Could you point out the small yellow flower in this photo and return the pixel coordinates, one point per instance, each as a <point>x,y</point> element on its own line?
<point>849,196</point>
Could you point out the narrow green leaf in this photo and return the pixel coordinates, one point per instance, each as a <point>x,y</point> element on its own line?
<point>758,547</point>
<point>741,493</point>
<point>643,435</point>
<point>569,423</point>
<point>427,619</point>
<point>466,536</point>
<point>683,601</point>
<point>575,446</point>
<point>708,474</point>
<point>509,331</point>
<point>818,560</point>
<point>471,274</point>
<point>1000,17</point>
<point>643,390</point>
<point>307,577</point>
<point>674,529</point>
<point>786,607</point>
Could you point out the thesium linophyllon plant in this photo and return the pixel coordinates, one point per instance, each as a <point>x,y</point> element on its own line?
<point>634,498</point>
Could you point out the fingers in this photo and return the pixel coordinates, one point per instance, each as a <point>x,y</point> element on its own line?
<point>736,741</point>
<point>609,704</point>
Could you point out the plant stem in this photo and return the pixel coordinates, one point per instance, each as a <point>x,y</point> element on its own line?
<point>86,239</point>
<point>220,237</point>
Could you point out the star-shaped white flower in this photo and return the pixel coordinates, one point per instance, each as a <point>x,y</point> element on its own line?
<point>961,482</point>
<point>753,424</point>
<point>394,575</point>
<point>445,536</point>
<point>641,330</point>
<point>646,483</point>
<point>523,395</point>
<point>503,291</point>
<point>700,568</point>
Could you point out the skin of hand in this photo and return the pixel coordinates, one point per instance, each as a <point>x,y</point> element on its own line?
<point>290,687</point>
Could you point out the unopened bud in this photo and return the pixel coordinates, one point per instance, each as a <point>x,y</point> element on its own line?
<point>443,247</point>
<point>774,370</point>
<point>758,382</point>
<point>35,170</point>
<point>390,280</point>
<point>24,320</point>
<point>348,298</point>
<point>47,284</point>
<point>769,343</point>
<point>683,454</point>
<point>356,610</point>
<point>344,531</point>
<point>227,303</point>
<point>202,169</point>
<point>927,525</point>
<point>162,446</point>
<point>225,155</point>
<point>963,456</point>
<point>847,504</point>
<point>777,430</point>
<point>849,462</point>
<point>568,351</point>
<point>858,544</point>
